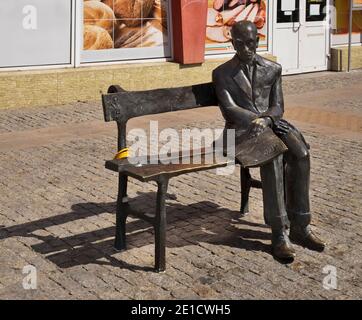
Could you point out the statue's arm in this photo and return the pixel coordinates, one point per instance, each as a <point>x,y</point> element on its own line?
<point>276,101</point>
<point>230,110</point>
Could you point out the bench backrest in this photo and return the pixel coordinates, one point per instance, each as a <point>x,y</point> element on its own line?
<point>120,105</point>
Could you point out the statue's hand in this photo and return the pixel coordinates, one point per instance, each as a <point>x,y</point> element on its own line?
<point>259,125</point>
<point>282,128</point>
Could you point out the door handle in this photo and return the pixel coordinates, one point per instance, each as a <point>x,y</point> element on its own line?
<point>295,29</point>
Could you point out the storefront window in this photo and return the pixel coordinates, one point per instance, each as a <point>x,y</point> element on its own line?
<point>223,14</point>
<point>340,22</point>
<point>35,32</point>
<point>287,11</point>
<point>316,10</point>
<point>125,29</point>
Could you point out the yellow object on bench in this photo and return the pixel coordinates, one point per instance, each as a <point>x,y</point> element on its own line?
<point>121,154</point>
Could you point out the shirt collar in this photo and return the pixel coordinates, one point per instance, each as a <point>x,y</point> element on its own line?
<point>257,60</point>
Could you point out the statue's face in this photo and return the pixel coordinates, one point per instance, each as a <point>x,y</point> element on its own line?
<point>245,43</point>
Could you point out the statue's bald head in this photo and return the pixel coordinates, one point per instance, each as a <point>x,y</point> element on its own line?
<point>243,28</point>
<point>245,40</point>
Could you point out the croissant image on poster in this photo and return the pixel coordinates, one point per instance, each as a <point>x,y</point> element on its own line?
<point>114,24</point>
<point>222,14</point>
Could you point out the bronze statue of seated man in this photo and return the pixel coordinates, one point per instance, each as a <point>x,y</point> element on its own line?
<point>249,91</point>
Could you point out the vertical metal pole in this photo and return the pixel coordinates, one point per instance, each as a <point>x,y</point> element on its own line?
<point>350,34</point>
<point>160,226</point>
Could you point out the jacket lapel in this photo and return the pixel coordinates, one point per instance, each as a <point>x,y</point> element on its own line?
<point>259,71</point>
<point>258,75</point>
<point>243,82</point>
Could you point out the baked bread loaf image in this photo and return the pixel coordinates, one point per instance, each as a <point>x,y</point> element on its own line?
<point>128,24</point>
<point>96,38</point>
<point>130,12</point>
<point>99,14</point>
<point>150,35</point>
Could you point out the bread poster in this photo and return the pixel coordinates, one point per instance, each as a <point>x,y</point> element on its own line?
<point>114,24</point>
<point>222,14</point>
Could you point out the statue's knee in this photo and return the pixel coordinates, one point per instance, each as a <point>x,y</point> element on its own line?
<point>301,155</point>
<point>303,160</point>
<point>305,155</point>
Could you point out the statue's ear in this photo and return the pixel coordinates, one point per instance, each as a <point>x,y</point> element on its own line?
<point>257,41</point>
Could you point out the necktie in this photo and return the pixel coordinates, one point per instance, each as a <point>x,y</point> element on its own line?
<point>247,72</point>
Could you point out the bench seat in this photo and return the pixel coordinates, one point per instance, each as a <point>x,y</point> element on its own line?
<point>152,172</point>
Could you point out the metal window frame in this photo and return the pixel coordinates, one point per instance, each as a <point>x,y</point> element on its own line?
<point>54,66</point>
<point>113,55</point>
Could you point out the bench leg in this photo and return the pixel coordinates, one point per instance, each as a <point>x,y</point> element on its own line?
<point>121,215</point>
<point>160,226</point>
<point>245,184</point>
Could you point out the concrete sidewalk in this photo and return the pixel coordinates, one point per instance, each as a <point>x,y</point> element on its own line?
<point>58,208</point>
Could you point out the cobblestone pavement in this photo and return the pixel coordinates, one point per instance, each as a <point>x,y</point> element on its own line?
<point>57,208</point>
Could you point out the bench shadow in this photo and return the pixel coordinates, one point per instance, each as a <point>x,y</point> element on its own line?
<point>186,225</point>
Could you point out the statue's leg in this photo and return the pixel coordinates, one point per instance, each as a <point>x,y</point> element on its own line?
<point>274,208</point>
<point>297,172</point>
<point>273,194</point>
<point>297,176</point>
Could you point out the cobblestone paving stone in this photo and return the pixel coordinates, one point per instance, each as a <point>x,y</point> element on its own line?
<point>58,211</point>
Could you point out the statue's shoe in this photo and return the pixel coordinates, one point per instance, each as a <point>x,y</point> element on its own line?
<point>281,247</point>
<point>283,250</point>
<point>306,238</point>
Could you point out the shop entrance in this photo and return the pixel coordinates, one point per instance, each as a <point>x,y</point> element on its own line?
<point>300,35</point>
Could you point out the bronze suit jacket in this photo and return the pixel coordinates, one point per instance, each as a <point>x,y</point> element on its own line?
<point>241,102</point>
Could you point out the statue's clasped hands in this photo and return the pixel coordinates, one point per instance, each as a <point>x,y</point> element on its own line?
<point>259,125</point>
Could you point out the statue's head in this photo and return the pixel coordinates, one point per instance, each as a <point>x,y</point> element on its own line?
<point>245,40</point>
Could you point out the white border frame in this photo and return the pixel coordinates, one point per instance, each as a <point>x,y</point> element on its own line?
<point>77,32</point>
<point>54,66</point>
<point>113,58</point>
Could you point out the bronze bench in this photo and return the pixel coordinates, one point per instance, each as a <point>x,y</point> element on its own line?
<point>120,106</point>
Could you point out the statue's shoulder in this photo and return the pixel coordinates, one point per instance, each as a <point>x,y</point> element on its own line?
<point>224,69</point>
<point>271,65</point>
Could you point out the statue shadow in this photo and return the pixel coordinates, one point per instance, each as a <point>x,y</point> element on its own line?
<point>186,225</point>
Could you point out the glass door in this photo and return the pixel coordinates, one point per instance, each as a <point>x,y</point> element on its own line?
<point>314,36</point>
<point>301,35</point>
<point>286,34</point>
